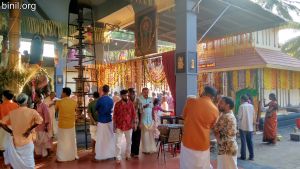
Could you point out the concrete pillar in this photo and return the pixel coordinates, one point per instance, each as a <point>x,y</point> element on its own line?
<point>59,71</point>
<point>186,52</point>
<point>99,52</point>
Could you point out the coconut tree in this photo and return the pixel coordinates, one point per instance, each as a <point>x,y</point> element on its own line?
<point>284,8</point>
<point>292,46</point>
<point>281,7</point>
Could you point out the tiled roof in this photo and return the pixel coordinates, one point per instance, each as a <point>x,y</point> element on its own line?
<point>278,59</point>
<point>251,58</point>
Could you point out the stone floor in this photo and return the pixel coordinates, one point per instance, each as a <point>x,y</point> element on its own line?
<point>284,155</point>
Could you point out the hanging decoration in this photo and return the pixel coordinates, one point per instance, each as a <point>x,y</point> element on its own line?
<point>130,74</point>
<point>226,46</point>
<point>298,80</point>
<point>267,79</point>
<point>274,78</point>
<point>241,79</point>
<point>49,28</point>
<point>248,78</point>
<point>235,80</point>
<point>283,79</point>
<point>154,72</point>
<point>254,78</point>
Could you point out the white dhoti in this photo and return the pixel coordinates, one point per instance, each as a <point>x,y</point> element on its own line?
<point>66,145</point>
<point>54,127</point>
<point>227,162</point>
<point>191,159</point>
<point>19,157</point>
<point>3,138</point>
<point>93,132</point>
<point>42,143</point>
<point>105,141</point>
<point>148,140</point>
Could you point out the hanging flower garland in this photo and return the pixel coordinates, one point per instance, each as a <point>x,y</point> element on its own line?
<point>154,72</point>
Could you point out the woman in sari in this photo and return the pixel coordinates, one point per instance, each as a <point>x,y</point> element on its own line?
<point>270,125</point>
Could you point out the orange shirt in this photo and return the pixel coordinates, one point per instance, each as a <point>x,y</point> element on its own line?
<point>200,115</point>
<point>22,119</point>
<point>6,107</point>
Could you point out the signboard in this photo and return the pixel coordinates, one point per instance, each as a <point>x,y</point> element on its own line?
<point>146,32</point>
<point>207,65</point>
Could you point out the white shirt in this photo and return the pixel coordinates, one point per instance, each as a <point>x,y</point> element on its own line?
<point>246,117</point>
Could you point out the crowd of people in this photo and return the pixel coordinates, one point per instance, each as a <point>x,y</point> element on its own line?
<point>204,114</point>
<point>26,133</point>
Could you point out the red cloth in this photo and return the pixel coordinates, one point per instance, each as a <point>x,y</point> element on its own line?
<point>124,115</point>
<point>168,60</point>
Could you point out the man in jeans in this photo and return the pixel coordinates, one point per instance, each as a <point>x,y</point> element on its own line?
<point>124,116</point>
<point>245,125</point>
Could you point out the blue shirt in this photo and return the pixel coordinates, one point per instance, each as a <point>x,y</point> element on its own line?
<point>104,108</point>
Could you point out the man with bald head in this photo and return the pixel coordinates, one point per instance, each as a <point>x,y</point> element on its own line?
<point>19,147</point>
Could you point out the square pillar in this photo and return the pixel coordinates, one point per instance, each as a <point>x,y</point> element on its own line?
<point>186,53</point>
<point>59,71</point>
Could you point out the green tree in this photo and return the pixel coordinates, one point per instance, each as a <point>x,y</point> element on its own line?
<point>292,46</point>
<point>284,8</point>
<point>281,7</point>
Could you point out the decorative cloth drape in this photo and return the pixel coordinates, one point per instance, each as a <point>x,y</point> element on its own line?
<point>168,60</point>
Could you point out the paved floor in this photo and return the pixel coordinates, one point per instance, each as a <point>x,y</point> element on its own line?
<point>284,155</point>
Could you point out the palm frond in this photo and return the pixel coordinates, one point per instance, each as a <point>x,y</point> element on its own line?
<point>291,25</point>
<point>292,47</point>
<point>283,7</point>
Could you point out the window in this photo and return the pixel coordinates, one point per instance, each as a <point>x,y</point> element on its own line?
<point>48,49</point>
<point>25,44</point>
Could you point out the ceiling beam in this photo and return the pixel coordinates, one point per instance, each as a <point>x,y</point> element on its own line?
<point>39,10</point>
<point>161,7</point>
<point>108,7</point>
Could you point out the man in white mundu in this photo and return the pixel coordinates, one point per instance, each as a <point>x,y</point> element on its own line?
<point>105,137</point>
<point>66,135</point>
<point>147,123</point>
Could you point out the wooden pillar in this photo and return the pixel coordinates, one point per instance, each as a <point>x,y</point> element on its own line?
<point>14,35</point>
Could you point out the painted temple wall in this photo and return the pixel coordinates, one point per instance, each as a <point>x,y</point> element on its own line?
<point>288,93</point>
